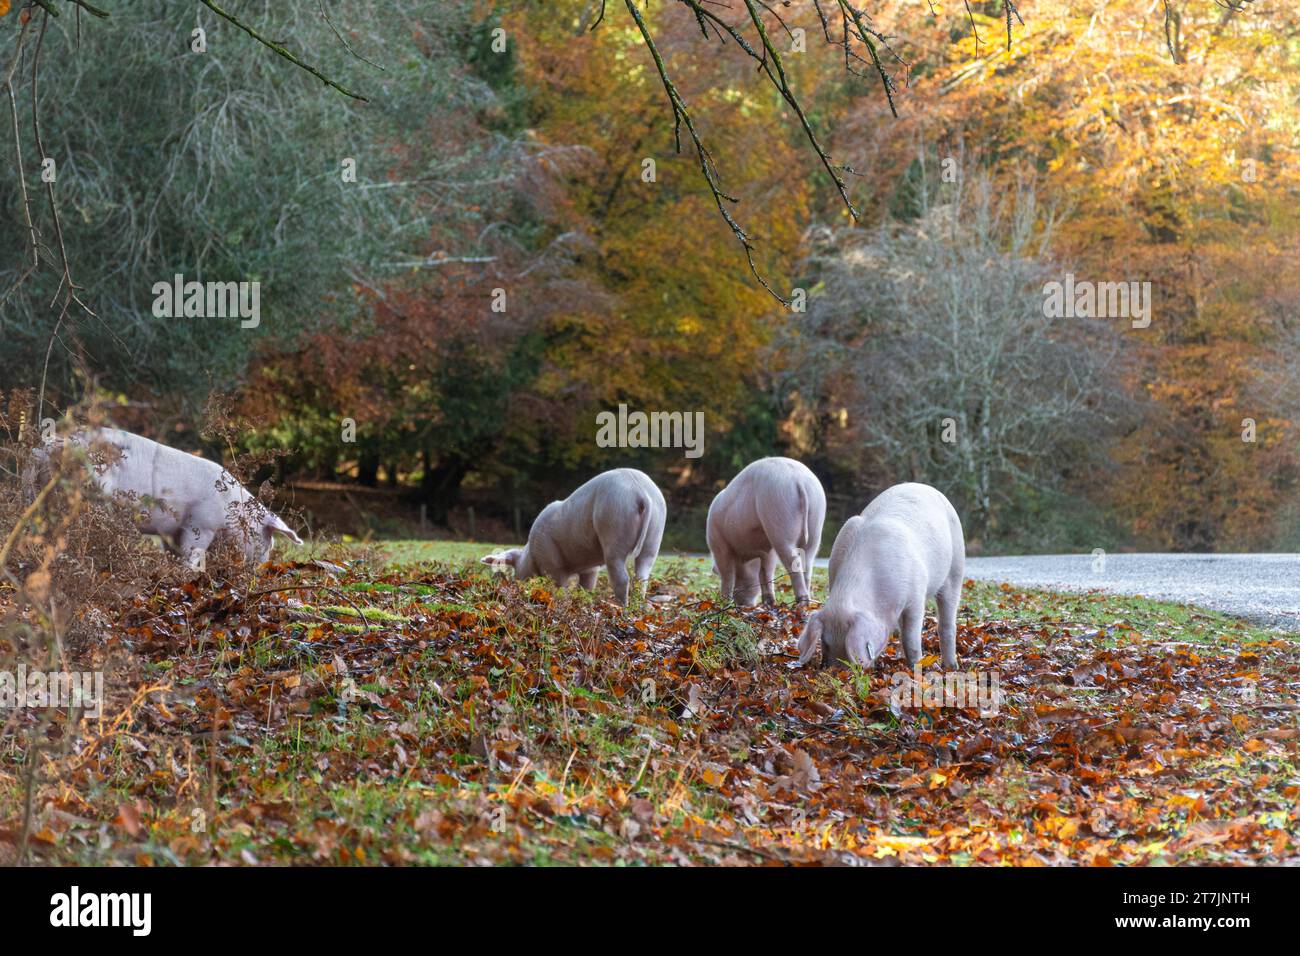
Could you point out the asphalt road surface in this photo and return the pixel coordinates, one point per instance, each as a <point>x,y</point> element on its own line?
<point>1260,587</point>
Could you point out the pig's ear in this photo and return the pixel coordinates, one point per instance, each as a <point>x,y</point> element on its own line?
<point>277,526</point>
<point>811,638</point>
<point>857,643</point>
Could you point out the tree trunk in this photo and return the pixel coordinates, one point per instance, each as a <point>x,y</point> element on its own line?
<point>368,469</point>
<point>440,485</point>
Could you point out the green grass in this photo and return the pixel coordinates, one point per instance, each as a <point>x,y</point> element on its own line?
<point>1112,614</point>
<point>1115,616</point>
<point>403,553</point>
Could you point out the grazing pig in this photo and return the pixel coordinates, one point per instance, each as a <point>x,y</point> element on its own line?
<point>615,516</point>
<point>184,499</point>
<point>772,510</point>
<point>905,548</point>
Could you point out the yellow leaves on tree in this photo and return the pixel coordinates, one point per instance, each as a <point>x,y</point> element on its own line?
<point>683,319</point>
<point>1180,169</point>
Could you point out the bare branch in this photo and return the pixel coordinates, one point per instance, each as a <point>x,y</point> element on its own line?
<point>347,46</point>
<point>682,116</point>
<point>280,50</point>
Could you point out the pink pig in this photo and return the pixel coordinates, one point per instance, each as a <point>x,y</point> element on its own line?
<point>616,516</point>
<point>184,499</point>
<point>772,510</point>
<point>905,548</point>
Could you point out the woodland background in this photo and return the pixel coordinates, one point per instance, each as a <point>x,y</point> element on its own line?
<point>1120,140</point>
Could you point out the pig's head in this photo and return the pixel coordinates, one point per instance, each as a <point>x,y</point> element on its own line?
<point>856,637</point>
<point>516,558</point>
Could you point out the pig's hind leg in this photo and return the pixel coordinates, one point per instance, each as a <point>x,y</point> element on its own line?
<point>618,579</point>
<point>782,526</point>
<point>810,561</point>
<point>795,562</point>
<point>726,564</point>
<point>643,564</point>
<point>587,579</point>
<point>767,577</point>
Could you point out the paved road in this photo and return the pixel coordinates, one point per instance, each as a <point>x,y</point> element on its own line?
<point>1264,588</point>
<point>1261,587</point>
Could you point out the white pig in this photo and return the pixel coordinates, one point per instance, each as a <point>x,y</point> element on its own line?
<point>184,499</point>
<point>905,548</point>
<point>615,516</point>
<point>772,510</point>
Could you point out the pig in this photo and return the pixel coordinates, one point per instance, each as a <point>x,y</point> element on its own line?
<point>615,516</point>
<point>905,548</point>
<point>772,510</point>
<point>184,499</point>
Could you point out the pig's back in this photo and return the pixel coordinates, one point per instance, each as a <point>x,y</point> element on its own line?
<point>603,502</point>
<point>627,484</point>
<point>168,474</point>
<point>606,516</point>
<point>772,472</point>
<point>767,483</point>
<point>917,513</point>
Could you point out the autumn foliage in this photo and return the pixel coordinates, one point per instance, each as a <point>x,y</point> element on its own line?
<point>336,715</point>
<point>1163,156</point>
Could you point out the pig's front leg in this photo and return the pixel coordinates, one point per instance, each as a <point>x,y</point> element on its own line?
<point>192,545</point>
<point>587,579</point>
<point>909,632</point>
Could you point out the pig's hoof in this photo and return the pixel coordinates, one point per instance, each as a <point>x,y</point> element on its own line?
<point>951,665</point>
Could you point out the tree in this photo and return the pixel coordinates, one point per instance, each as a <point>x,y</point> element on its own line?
<point>1181,169</point>
<point>231,164</point>
<point>933,336</point>
<point>660,314</point>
